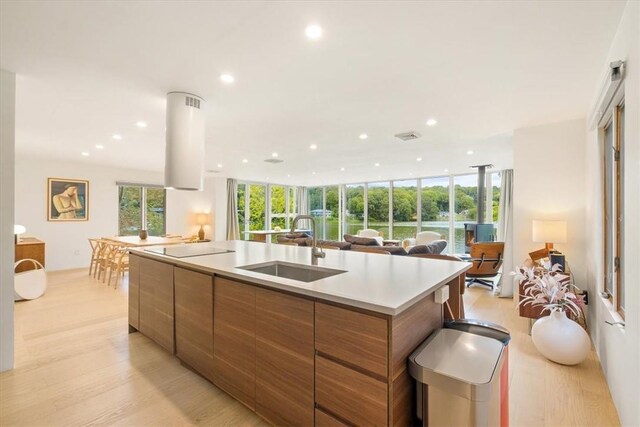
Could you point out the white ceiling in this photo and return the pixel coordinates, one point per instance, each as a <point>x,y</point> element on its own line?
<point>87,70</point>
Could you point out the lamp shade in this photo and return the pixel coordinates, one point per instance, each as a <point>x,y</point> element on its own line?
<point>202,219</point>
<point>549,231</point>
<point>19,229</point>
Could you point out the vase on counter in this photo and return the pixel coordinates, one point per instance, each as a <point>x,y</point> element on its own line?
<point>143,234</point>
<point>560,339</point>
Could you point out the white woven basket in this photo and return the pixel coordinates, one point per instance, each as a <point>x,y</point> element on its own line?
<point>30,284</point>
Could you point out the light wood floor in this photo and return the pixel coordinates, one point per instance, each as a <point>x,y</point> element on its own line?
<point>77,365</point>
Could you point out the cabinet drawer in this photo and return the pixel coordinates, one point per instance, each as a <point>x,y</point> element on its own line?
<point>356,338</point>
<point>353,396</point>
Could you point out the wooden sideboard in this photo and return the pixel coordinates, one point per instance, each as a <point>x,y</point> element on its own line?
<point>29,248</point>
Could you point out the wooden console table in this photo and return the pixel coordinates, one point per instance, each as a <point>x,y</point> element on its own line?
<point>29,248</point>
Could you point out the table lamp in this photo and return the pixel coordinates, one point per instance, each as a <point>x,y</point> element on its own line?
<point>17,231</point>
<point>202,219</point>
<point>549,232</point>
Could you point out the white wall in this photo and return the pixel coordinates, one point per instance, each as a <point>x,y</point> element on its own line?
<point>7,146</point>
<point>549,183</point>
<point>66,242</point>
<point>618,349</point>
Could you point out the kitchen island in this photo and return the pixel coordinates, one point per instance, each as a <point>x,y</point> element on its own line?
<point>328,352</point>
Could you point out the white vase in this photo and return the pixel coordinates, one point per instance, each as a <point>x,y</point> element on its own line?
<point>560,339</point>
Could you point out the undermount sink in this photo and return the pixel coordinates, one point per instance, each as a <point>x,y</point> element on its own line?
<point>293,271</point>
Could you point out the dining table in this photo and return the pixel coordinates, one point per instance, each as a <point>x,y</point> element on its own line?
<point>137,242</point>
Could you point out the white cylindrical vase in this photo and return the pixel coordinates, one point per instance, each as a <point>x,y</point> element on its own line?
<point>184,157</point>
<point>560,339</point>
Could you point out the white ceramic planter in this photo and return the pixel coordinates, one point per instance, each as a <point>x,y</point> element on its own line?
<point>560,339</point>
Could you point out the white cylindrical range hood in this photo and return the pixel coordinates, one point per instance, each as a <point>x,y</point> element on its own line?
<point>184,163</point>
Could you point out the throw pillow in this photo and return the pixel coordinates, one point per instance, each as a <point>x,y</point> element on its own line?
<point>364,241</point>
<point>435,247</point>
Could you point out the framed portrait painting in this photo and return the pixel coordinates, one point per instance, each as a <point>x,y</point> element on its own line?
<point>67,200</point>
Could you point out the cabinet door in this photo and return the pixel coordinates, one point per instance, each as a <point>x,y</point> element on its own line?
<point>134,291</point>
<point>234,337</point>
<point>156,302</point>
<point>194,320</point>
<point>284,358</point>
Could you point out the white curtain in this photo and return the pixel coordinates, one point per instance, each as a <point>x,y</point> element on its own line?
<point>233,227</point>
<point>302,206</point>
<point>505,233</point>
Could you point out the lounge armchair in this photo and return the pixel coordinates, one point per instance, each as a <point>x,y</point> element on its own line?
<point>422,238</point>
<point>487,260</point>
<point>374,234</point>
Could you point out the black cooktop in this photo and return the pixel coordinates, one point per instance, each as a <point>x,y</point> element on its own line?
<point>191,249</point>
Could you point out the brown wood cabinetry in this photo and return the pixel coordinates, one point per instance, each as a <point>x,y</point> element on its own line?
<point>29,248</point>
<point>156,302</point>
<point>295,360</point>
<point>234,337</point>
<point>194,320</point>
<point>134,291</point>
<point>284,358</point>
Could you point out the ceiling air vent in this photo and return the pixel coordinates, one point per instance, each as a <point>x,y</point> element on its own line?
<point>274,161</point>
<point>212,171</point>
<point>408,136</point>
<point>190,101</point>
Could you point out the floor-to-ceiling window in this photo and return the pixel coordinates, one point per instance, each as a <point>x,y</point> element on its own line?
<point>257,207</point>
<point>332,230</point>
<point>378,207</point>
<point>278,206</point>
<point>291,211</point>
<point>241,204</point>
<point>316,208</point>
<point>354,208</point>
<point>465,193</point>
<point>405,209</point>
<point>434,202</point>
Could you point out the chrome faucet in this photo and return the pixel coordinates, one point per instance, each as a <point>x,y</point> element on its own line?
<point>316,252</point>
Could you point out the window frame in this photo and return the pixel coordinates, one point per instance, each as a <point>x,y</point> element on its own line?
<point>612,178</point>
<point>143,204</point>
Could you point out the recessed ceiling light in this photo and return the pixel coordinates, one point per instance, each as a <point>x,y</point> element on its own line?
<point>432,122</point>
<point>470,152</point>
<point>313,146</point>
<point>379,176</point>
<point>267,178</point>
<point>219,165</point>
<point>141,124</point>
<point>84,153</point>
<point>342,169</point>
<point>288,175</point>
<point>116,136</point>
<point>313,173</point>
<point>274,154</point>
<point>313,32</point>
<point>364,136</point>
<point>418,159</point>
<point>245,161</point>
<point>446,170</point>
<point>100,146</point>
<point>376,164</point>
<point>227,78</point>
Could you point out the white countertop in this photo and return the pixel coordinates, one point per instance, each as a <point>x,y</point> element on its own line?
<point>386,284</point>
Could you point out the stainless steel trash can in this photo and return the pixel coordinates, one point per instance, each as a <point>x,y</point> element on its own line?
<point>458,379</point>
